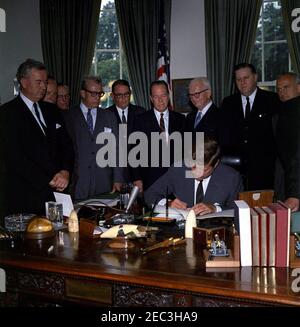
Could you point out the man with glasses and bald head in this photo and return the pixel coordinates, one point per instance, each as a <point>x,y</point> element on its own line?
<point>205,115</point>
<point>85,122</point>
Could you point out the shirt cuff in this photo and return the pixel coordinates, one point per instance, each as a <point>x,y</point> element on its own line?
<point>162,202</point>
<point>218,207</point>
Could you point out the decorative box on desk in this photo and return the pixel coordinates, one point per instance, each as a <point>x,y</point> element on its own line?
<point>87,228</point>
<point>231,260</point>
<point>213,242</point>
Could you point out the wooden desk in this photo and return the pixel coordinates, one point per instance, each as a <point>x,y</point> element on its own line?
<point>82,271</point>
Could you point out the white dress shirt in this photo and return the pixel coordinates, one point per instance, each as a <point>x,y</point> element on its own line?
<point>251,100</point>
<point>120,112</point>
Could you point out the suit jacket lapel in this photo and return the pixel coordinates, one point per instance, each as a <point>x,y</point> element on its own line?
<point>31,118</point>
<point>154,126</point>
<point>80,120</point>
<point>190,190</point>
<point>130,117</point>
<point>115,111</point>
<point>99,122</point>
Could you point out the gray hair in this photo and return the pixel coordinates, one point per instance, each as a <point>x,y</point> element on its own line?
<point>96,79</point>
<point>26,67</point>
<point>203,80</point>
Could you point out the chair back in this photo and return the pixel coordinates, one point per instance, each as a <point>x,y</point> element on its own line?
<point>257,198</point>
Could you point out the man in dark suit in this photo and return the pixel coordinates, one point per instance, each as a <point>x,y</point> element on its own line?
<point>205,115</point>
<point>211,189</point>
<point>247,129</point>
<point>287,135</point>
<point>85,122</point>
<point>159,119</point>
<point>37,159</point>
<point>124,111</point>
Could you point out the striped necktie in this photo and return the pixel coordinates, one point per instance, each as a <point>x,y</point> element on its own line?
<point>198,118</point>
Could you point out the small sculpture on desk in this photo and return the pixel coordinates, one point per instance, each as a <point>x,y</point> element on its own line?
<point>73,224</point>
<point>218,248</point>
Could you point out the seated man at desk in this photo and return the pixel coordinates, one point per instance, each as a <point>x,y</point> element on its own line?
<point>212,189</point>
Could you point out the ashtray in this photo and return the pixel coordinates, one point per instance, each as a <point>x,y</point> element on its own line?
<point>17,222</point>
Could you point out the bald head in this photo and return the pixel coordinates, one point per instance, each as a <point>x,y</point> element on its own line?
<point>287,86</point>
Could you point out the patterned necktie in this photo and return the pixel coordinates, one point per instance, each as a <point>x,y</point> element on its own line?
<point>37,113</point>
<point>199,193</point>
<point>89,121</point>
<point>123,117</point>
<point>198,118</point>
<point>247,111</point>
<point>162,123</point>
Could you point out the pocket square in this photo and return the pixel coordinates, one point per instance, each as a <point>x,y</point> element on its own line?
<point>107,130</point>
<point>57,126</point>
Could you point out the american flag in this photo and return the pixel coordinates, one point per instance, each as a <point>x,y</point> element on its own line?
<point>163,60</point>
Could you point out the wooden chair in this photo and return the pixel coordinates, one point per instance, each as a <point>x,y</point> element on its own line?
<point>257,198</point>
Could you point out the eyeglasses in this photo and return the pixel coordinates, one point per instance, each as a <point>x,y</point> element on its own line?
<point>157,97</point>
<point>122,95</point>
<point>95,94</point>
<point>197,94</point>
<point>64,96</point>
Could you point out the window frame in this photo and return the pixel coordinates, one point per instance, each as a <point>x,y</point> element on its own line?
<point>263,82</point>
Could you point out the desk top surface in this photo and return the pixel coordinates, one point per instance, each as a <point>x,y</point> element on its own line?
<point>181,267</point>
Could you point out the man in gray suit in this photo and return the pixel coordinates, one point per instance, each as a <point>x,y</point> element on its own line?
<point>212,189</point>
<point>84,123</point>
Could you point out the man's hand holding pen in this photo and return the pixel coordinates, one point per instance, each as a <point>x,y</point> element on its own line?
<point>199,208</point>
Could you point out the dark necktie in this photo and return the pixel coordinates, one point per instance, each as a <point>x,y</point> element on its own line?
<point>198,118</point>
<point>37,113</point>
<point>247,111</point>
<point>89,121</point>
<point>199,193</point>
<point>123,117</point>
<point>162,123</point>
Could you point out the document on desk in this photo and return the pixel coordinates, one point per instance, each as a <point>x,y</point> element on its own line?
<point>66,201</point>
<point>224,213</point>
<point>100,202</point>
<point>179,214</point>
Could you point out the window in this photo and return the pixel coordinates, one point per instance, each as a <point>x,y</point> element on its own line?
<point>109,61</point>
<point>270,55</point>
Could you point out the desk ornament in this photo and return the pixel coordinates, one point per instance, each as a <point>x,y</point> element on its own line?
<point>39,228</point>
<point>217,253</point>
<point>191,222</point>
<point>295,251</point>
<point>73,224</point>
<point>164,244</point>
<point>127,217</point>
